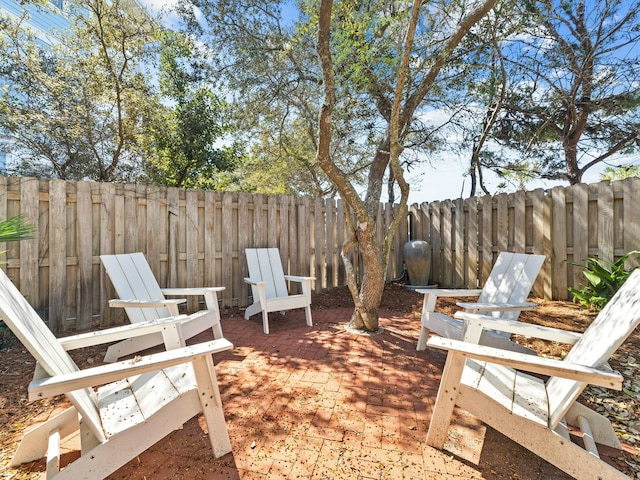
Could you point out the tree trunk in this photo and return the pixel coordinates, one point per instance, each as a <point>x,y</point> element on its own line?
<point>368,295</point>
<point>574,174</point>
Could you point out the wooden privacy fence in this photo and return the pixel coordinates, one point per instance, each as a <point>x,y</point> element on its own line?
<point>565,223</point>
<point>197,238</point>
<point>190,238</point>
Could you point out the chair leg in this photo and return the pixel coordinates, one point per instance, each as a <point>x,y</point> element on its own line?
<point>308,313</point>
<point>265,321</point>
<point>422,339</point>
<point>446,400</point>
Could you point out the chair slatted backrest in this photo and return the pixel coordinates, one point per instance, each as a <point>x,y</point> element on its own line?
<point>133,279</point>
<point>601,339</point>
<point>265,265</point>
<point>510,281</point>
<point>36,337</point>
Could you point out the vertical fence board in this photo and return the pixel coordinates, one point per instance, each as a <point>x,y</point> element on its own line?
<point>3,216</point>
<point>209,227</point>
<point>605,222</point>
<point>131,223</point>
<point>547,248</point>
<point>29,207</point>
<point>283,206</point>
<point>537,197</point>
<point>57,254</point>
<point>472,242</point>
<point>436,243</point>
<point>631,220</point>
<point>580,229</point>
<point>304,253</point>
<point>330,235</point>
<point>107,225</point>
<point>272,221</point>
<point>340,232</point>
<point>447,243</point>
<point>84,243</point>
<point>118,223</point>
<point>294,239</point>
<point>559,249</point>
<point>173,215</point>
<point>243,243</point>
<point>519,222</point>
<point>459,236</point>
<point>502,227</point>
<point>319,234</point>
<point>194,279</point>
<point>487,237</point>
<point>227,248</point>
<point>153,230</point>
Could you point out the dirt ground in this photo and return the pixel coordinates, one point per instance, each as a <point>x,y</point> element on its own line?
<point>16,368</point>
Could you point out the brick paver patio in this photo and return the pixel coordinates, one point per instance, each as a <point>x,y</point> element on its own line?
<point>322,403</point>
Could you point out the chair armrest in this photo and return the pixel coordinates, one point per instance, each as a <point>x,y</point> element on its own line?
<point>297,278</point>
<point>253,281</point>
<point>123,332</point>
<point>431,296</point>
<point>476,322</point>
<point>530,363</point>
<point>450,292</point>
<point>166,303</point>
<point>210,294</point>
<point>191,290</point>
<point>497,307</point>
<point>103,374</point>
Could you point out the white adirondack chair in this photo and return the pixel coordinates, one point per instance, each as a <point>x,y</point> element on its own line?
<point>534,413</point>
<point>502,297</point>
<point>144,301</point>
<point>269,288</point>
<point>138,402</point>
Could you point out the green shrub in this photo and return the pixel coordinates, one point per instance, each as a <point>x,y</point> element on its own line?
<point>604,279</point>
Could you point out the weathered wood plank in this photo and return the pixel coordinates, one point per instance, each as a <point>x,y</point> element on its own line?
<point>153,231</point>
<point>580,229</point>
<point>243,243</point>
<point>107,243</point>
<point>131,223</point>
<point>458,244</point>
<point>209,227</point>
<point>519,222</point>
<point>537,197</point>
<point>447,247</point>
<point>3,216</point>
<point>57,254</point>
<point>330,242</point>
<point>487,237</point>
<point>340,235</point>
<point>272,221</point>
<point>194,278</point>
<point>605,222</point>
<point>319,235</point>
<point>227,248</point>
<point>559,239</point>
<point>173,215</point>
<point>436,243</point>
<point>502,225</point>
<point>84,234</point>
<point>471,207</point>
<point>631,220</point>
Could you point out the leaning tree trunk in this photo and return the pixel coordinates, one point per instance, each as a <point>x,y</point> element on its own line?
<point>367,294</point>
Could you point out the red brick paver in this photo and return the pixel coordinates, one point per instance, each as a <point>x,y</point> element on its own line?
<point>321,403</point>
